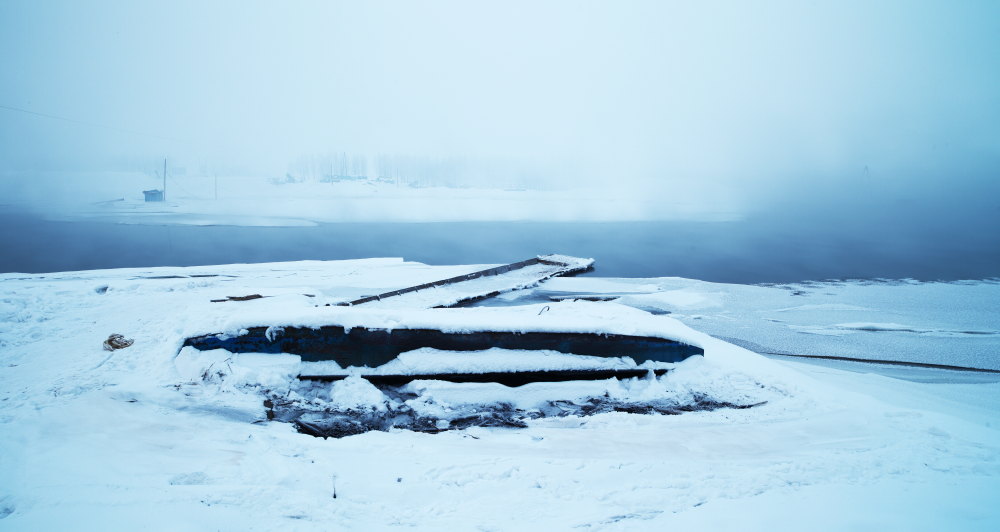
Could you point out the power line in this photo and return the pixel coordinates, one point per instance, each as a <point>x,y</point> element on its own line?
<point>85,123</point>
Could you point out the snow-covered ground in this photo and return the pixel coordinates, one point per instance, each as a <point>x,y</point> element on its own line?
<point>257,201</point>
<point>137,438</point>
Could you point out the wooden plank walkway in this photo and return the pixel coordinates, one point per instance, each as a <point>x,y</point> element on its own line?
<point>475,286</point>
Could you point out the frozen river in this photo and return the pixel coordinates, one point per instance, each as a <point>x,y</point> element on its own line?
<point>757,250</point>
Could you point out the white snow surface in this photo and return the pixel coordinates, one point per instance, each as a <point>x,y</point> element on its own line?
<point>153,438</point>
<point>428,360</point>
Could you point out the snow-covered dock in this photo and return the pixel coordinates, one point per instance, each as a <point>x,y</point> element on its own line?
<point>349,337</point>
<point>479,285</point>
<point>393,323</point>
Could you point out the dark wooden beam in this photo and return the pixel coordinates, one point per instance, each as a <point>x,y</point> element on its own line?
<point>358,346</point>
<point>507,378</point>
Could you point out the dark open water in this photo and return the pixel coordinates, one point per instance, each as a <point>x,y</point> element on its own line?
<point>758,250</point>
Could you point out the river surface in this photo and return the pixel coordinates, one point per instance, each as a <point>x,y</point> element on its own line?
<point>757,250</point>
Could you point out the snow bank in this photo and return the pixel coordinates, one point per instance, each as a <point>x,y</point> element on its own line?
<point>133,438</point>
<point>427,360</point>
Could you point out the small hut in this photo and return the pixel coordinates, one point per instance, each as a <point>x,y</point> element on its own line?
<point>153,195</point>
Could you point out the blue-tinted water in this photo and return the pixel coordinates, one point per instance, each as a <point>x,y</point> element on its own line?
<point>753,251</point>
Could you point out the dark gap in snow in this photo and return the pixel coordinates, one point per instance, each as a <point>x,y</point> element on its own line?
<point>512,379</point>
<point>339,423</point>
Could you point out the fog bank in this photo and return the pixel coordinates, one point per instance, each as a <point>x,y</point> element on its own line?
<point>781,102</point>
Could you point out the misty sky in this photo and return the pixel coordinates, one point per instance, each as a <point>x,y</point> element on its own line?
<point>642,90</point>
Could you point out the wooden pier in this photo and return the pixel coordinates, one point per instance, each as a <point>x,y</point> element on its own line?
<point>476,286</point>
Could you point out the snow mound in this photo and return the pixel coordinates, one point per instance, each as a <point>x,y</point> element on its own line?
<point>428,360</point>
<point>355,392</point>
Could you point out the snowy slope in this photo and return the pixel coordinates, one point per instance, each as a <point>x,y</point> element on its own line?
<point>116,441</point>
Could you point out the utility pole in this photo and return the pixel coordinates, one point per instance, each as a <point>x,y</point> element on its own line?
<point>164,179</point>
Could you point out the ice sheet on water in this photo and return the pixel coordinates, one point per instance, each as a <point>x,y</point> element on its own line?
<point>930,322</point>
